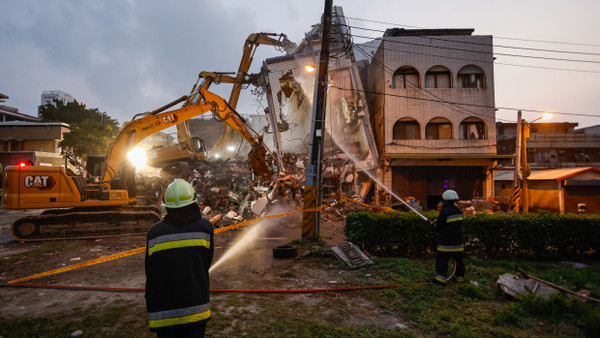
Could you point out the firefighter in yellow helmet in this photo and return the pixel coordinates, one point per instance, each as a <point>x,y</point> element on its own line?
<point>179,252</point>
<point>450,243</point>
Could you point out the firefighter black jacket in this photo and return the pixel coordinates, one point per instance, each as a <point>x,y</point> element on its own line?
<point>449,225</point>
<point>177,282</point>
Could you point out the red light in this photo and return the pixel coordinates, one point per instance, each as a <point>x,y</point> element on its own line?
<point>22,164</point>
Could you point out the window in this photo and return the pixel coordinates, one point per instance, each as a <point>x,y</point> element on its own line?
<point>472,128</point>
<point>405,77</point>
<point>14,145</point>
<point>470,77</point>
<point>437,77</point>
<point>407,129</point>
<point>438,128</point>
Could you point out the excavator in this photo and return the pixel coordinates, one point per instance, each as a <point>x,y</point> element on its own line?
<point>190,149</point>
<point>102,201</point>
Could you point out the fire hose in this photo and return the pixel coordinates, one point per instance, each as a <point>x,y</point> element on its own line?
<point>137,290</point>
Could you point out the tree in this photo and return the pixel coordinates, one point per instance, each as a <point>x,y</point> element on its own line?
<point>91,131</point>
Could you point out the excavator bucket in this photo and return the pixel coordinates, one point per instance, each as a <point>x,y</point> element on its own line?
<point>258,161</point>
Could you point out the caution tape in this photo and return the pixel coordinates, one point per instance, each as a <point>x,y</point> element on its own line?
<point>81,265</point>
<point>380,207</point>
<point>143,249</point>
<point>239,225</point>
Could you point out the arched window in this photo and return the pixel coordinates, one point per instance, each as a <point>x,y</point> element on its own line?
<point>472,128</point>
<point>471,77</point>
<point>438,77</point>
<point>405,77</point>
<point>407,128</point>
<point>438,128</point>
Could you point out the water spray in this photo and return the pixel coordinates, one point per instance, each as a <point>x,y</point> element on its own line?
<point>357,162</point>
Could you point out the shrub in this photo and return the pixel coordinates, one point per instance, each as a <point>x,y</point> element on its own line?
<point>544,235</point>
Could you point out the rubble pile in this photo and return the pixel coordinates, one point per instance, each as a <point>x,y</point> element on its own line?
<point>229,188</point>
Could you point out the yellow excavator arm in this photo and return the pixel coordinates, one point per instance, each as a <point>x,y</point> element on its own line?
<point>138,129</point>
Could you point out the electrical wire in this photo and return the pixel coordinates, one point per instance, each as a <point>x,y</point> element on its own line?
<point>472,104</point>
<point>495,37</point>
<point>458,109</point>
<point>486,45</point>
<point>481,52</point>
<point>479,60</point>
<point>549,68</point>
<point>389,71</point>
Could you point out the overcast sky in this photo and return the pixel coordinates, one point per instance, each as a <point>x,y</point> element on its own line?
<point>125,57</point>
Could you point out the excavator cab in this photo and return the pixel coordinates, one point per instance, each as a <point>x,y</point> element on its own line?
<point>199,147</point>
<point>93,167</point>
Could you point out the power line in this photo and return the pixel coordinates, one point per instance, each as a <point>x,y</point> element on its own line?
<point>466,112</point>
<point>554,42</point>
<point>549,68</point>
<point>483,44</point>
<point>475,60</point>
<point>482,52</point>
<point>470,104</point>
<point>495,37</point>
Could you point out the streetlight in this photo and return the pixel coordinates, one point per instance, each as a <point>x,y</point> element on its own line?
<point>310,68</point>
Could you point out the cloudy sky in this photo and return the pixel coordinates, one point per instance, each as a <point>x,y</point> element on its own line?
<point>126,56</point>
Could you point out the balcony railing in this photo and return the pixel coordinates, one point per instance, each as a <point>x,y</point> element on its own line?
<point>564,140</point>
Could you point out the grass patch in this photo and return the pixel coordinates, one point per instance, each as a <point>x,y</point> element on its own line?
<point>94,322</point>
<point>414,309</point>
<point>35,252</point>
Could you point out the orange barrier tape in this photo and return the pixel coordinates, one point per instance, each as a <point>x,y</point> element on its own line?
<point>81,265</point>
<point>140,250</point>
<point>239,225</point>
<point>384,208</point>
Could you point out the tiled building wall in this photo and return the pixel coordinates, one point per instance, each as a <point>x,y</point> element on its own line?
<point>422,53</point>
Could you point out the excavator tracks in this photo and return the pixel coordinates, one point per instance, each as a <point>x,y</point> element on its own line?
<point>85,223</point>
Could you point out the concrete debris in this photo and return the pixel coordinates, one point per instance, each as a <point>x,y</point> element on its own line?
<point>350,254</point>
<point>515,286</point>
<point>575,265</point>
<point>401,326</point>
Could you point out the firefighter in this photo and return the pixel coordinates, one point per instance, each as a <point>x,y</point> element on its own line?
<point>450,243</point>
<point>179,252</point>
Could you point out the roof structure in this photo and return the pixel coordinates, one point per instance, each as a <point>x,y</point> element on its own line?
<point>15,114</point>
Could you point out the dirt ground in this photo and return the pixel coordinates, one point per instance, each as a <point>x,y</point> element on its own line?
<point>253,268</point>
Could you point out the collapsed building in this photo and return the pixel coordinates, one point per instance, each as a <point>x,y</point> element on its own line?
<point>289,89</point>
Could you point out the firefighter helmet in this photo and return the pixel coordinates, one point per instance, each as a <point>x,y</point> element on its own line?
<point>450,195</point>
<point>179,194</point>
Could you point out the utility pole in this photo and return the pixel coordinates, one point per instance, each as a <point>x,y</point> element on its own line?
<point>311,219</point>
<point>525,169</point>
<point>516,198</point>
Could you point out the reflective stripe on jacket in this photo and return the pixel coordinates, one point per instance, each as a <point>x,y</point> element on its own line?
<point>178,316</point>
<point>181,240</point>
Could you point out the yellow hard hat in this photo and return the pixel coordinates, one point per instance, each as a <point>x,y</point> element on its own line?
<point>179,194</point>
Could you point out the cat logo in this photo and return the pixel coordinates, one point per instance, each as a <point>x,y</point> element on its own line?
<point>171,118</point>
<point>40,182</point>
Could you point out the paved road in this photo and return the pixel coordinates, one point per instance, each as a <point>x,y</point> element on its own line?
<point>7,217</point>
